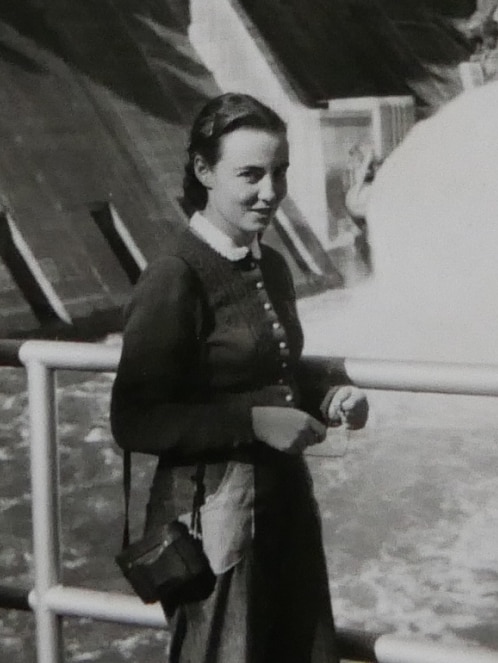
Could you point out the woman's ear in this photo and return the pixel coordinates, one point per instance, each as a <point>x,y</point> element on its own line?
<point>203,171</point>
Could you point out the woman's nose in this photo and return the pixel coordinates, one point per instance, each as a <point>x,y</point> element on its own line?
<point>267,189</point>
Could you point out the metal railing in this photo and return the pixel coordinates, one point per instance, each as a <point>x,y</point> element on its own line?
<point>51,600</point>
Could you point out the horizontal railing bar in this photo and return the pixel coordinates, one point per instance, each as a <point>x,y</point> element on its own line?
<point>392,649</point>
<point>71,355</point>
<point>128,609</point>
<point>434,377</point>
<point>103,606</point>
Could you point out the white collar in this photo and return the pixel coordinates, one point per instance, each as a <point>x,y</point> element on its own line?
<point>221,243</point>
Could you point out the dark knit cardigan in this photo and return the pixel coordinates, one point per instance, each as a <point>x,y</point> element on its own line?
<point>205,340</point>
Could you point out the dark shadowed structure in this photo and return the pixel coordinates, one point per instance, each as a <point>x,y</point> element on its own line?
<point>349,48</point>
<point>96,104</point>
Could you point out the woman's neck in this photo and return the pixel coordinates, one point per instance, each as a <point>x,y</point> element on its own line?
<point>238,236</point>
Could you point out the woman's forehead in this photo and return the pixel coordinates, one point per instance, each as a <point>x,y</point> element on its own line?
<point>248,146</point>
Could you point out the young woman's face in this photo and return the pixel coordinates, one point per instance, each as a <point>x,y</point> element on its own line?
<point>247,184</point>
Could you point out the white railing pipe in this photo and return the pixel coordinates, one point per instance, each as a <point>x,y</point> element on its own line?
<point>71,355</point>
<point>392,649</point>
<point>104,606</point>
<point>45,507</point>
<point>127,609</point>
<point>436,377</point>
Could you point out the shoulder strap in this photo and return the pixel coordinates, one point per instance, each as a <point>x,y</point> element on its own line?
<point>126,490</point>
<point>198,501</point>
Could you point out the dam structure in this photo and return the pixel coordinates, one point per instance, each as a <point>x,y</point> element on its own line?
<point>97,100</point>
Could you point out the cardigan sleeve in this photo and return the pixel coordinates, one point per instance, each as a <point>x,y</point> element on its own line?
<point>319,378</point>
<point>157,403</point>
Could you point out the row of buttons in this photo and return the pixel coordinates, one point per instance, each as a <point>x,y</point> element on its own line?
<point>289,397</point>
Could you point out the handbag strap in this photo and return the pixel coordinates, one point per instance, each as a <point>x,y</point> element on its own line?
<point>126,490</point>
<point>197,502</point>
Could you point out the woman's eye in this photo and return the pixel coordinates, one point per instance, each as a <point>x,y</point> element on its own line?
<point>250,176</point>
<point>281,172</point>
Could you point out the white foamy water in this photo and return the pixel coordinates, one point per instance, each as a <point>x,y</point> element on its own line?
<point>433,229</point>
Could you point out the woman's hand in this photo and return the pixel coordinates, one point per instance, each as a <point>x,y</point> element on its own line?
<point>286,429</point>
<point>348,406</point>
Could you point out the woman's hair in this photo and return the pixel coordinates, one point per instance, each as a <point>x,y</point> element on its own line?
<point>221,116</point>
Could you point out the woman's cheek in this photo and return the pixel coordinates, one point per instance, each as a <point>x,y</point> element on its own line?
<point>282,191</point>
<point>251,195</point>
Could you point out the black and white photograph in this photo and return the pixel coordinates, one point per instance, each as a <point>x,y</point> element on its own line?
<point>249,331</point>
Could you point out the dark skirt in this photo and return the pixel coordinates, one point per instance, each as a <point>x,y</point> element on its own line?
<point>274,605</point>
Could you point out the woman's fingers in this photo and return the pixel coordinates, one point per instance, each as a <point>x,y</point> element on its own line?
<point>336,404</point>
<point>286,429</point>
<point>356,412</point>
<point>313,433</point>
<point>348,406</point>
<point>317,427</point>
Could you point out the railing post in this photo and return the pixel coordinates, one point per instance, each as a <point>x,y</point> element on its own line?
<point>45,507</point>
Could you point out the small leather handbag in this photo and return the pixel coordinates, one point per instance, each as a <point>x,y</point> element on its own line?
<point>168,563</point>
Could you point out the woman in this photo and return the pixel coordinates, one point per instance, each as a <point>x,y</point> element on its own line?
<point>211,373</point>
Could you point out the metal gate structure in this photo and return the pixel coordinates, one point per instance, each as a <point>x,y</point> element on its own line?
<point>51,600</point>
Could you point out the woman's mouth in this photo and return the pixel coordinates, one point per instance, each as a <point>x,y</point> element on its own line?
<point>263,211</point>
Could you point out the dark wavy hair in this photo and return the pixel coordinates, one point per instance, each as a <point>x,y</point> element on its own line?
<point>221,116</point>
